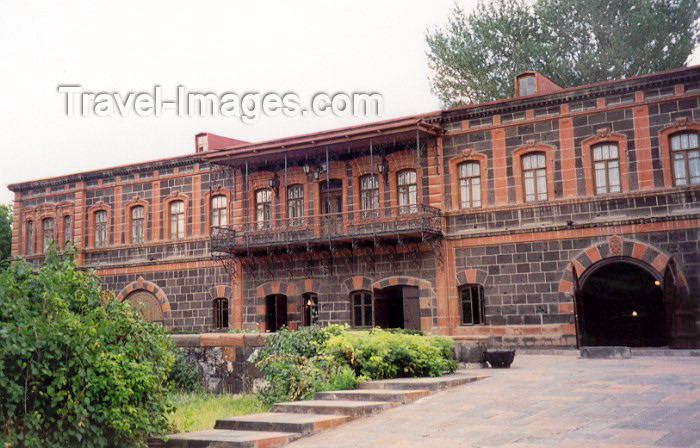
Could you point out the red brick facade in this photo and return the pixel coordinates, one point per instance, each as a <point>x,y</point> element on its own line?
<point>526,256</point>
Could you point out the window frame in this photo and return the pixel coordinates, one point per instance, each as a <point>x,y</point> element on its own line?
<point>685,159</point>
<point>364,296</point>
<point>29,237</point>
<point>100,233</point>
<point>66,222</point>
<point>295,205</point>
<point>407,190</point>
<point>536,176</point>
<point>469,184</point>
<point>265,207</point>
<point>220,307</point>
<point>479,307</point>
<point>606,162</point>
<point>134,220</point>
<point>46,242</point>
<point>370,193</point>
<point>218,214</point>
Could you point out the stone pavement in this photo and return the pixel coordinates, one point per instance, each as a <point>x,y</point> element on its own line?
<point>545,401</point>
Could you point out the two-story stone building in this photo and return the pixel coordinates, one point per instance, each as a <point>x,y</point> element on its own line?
<point>556,217</point>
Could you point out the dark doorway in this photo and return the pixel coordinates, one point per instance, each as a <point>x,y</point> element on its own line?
<point>331,199</point>
<point>397,307</point>
<point>621,303</point>
<point>275,312</point>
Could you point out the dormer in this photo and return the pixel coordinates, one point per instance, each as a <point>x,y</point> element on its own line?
<point>533,83</point>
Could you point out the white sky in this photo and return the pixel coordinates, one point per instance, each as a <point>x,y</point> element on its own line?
<point>299,46</point>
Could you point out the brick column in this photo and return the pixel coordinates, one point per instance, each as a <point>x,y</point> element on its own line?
<point>16,226</point>
<point>196,204</point>
<point>118,212</point>
<point>499,166</point>
<point>155,207</point>
<point>642,144</point>
<point>568,157</point>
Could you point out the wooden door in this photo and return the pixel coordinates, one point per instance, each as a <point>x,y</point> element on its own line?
<point>147,305</point>
<point>411,308</point>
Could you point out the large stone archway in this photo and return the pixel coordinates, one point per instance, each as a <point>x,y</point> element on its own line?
<point>613,255</point>
<point>424,297</point>
<point>271,297</point>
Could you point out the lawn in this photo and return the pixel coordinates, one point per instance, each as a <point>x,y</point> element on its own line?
<point>199,411</point>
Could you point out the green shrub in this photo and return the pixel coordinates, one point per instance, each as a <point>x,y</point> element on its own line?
<point>380,354</point>
<point>77,368</point>
<point>297,364</point>
<point>186,375</point>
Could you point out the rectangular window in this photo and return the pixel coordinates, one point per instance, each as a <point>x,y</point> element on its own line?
<point>469,185</point>
<point>606,164</point>
<point>686,158</point>
<point>30,238</point>
<point>362,309</point>
<point>472,298</point>
<point>101,228</point>
<point>177,220</point>
<point>535,177</point>
<point>221,313</point>
<point>263,208</point>
<point>295,205</point>
<point>218,211</point>
<point>48,234</point>
<point>369,196</point>
<point>408,192</point>
<point>137,227</point>
<point>526,85</point>
<point>66,231</point>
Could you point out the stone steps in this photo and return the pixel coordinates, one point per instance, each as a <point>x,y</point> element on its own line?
<point>397,396</point>
<point>431,384</point>
<point>283,422</point>
<point>289,421</point>
<point>352,408</point>
<point>224,438</point>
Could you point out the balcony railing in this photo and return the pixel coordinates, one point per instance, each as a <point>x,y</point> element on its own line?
<point>413,220</point>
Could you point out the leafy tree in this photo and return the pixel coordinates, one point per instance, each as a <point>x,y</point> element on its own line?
<point>77,368</point>
<point>5,232</point>
<point>476,56</point>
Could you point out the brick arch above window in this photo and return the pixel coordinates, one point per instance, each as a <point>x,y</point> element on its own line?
<point>604,136</point>
<point>471,277</point>
<point>92,211</point>
<point>356,283</point>
<point>517,157</point>
<point>136,202</point>
<point>218,190</point>
<point>173,197</point>
<point>681,125</point>
<point>468,155</point>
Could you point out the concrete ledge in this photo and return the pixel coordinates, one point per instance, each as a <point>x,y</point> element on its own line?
<point>219,339</point>
<point>606,352</point>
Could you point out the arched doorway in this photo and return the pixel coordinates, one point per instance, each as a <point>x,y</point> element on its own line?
<point>397,307</point>
<point>621,302</point>
<point>275,312</point>
<point>147,305</point>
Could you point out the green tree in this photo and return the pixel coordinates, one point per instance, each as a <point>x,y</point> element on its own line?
<point>5,233</point>
<point>572,42</point>
<point>77,368</point>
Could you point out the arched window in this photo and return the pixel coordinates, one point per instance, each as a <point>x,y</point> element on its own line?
<point>137,227</point>
<point>606,166</point>
<point>408,191</point>
<point>535,176</point>
<point>310,301</point>
<point>263,208</point>
<point>219,217</point>
<point>29,241</point>
<point>369,196</point>
<point>295,205</point>
<point>47,233</point>
<point>469,175</point>
<point>177,220</point>
<point>362,308</point>
<point>685,153</point>
<point>220,313</point>
<point>100,228</point>
<point>472,304</point>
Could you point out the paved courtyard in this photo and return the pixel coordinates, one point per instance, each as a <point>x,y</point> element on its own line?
<point>545,401</point>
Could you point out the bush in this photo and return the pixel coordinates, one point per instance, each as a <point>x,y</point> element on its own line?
<point>297,364</point>
<point>77,368</point>
<point>186,375</point>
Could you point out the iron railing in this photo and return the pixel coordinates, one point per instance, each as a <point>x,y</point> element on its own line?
<point>413,220</point>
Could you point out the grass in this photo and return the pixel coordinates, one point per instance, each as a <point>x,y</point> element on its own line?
<point>198,411</point>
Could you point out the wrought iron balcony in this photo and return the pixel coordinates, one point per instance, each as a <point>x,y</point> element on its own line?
<point>414,221</point>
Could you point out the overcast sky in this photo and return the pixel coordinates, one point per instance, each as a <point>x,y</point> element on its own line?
<point>268,46</point>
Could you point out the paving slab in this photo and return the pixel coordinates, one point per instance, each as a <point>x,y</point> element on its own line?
<point>432,384</point>
<point>223,438</point>
<point>399,396</point>
<point>353,408</point>
<point>283,422</point>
